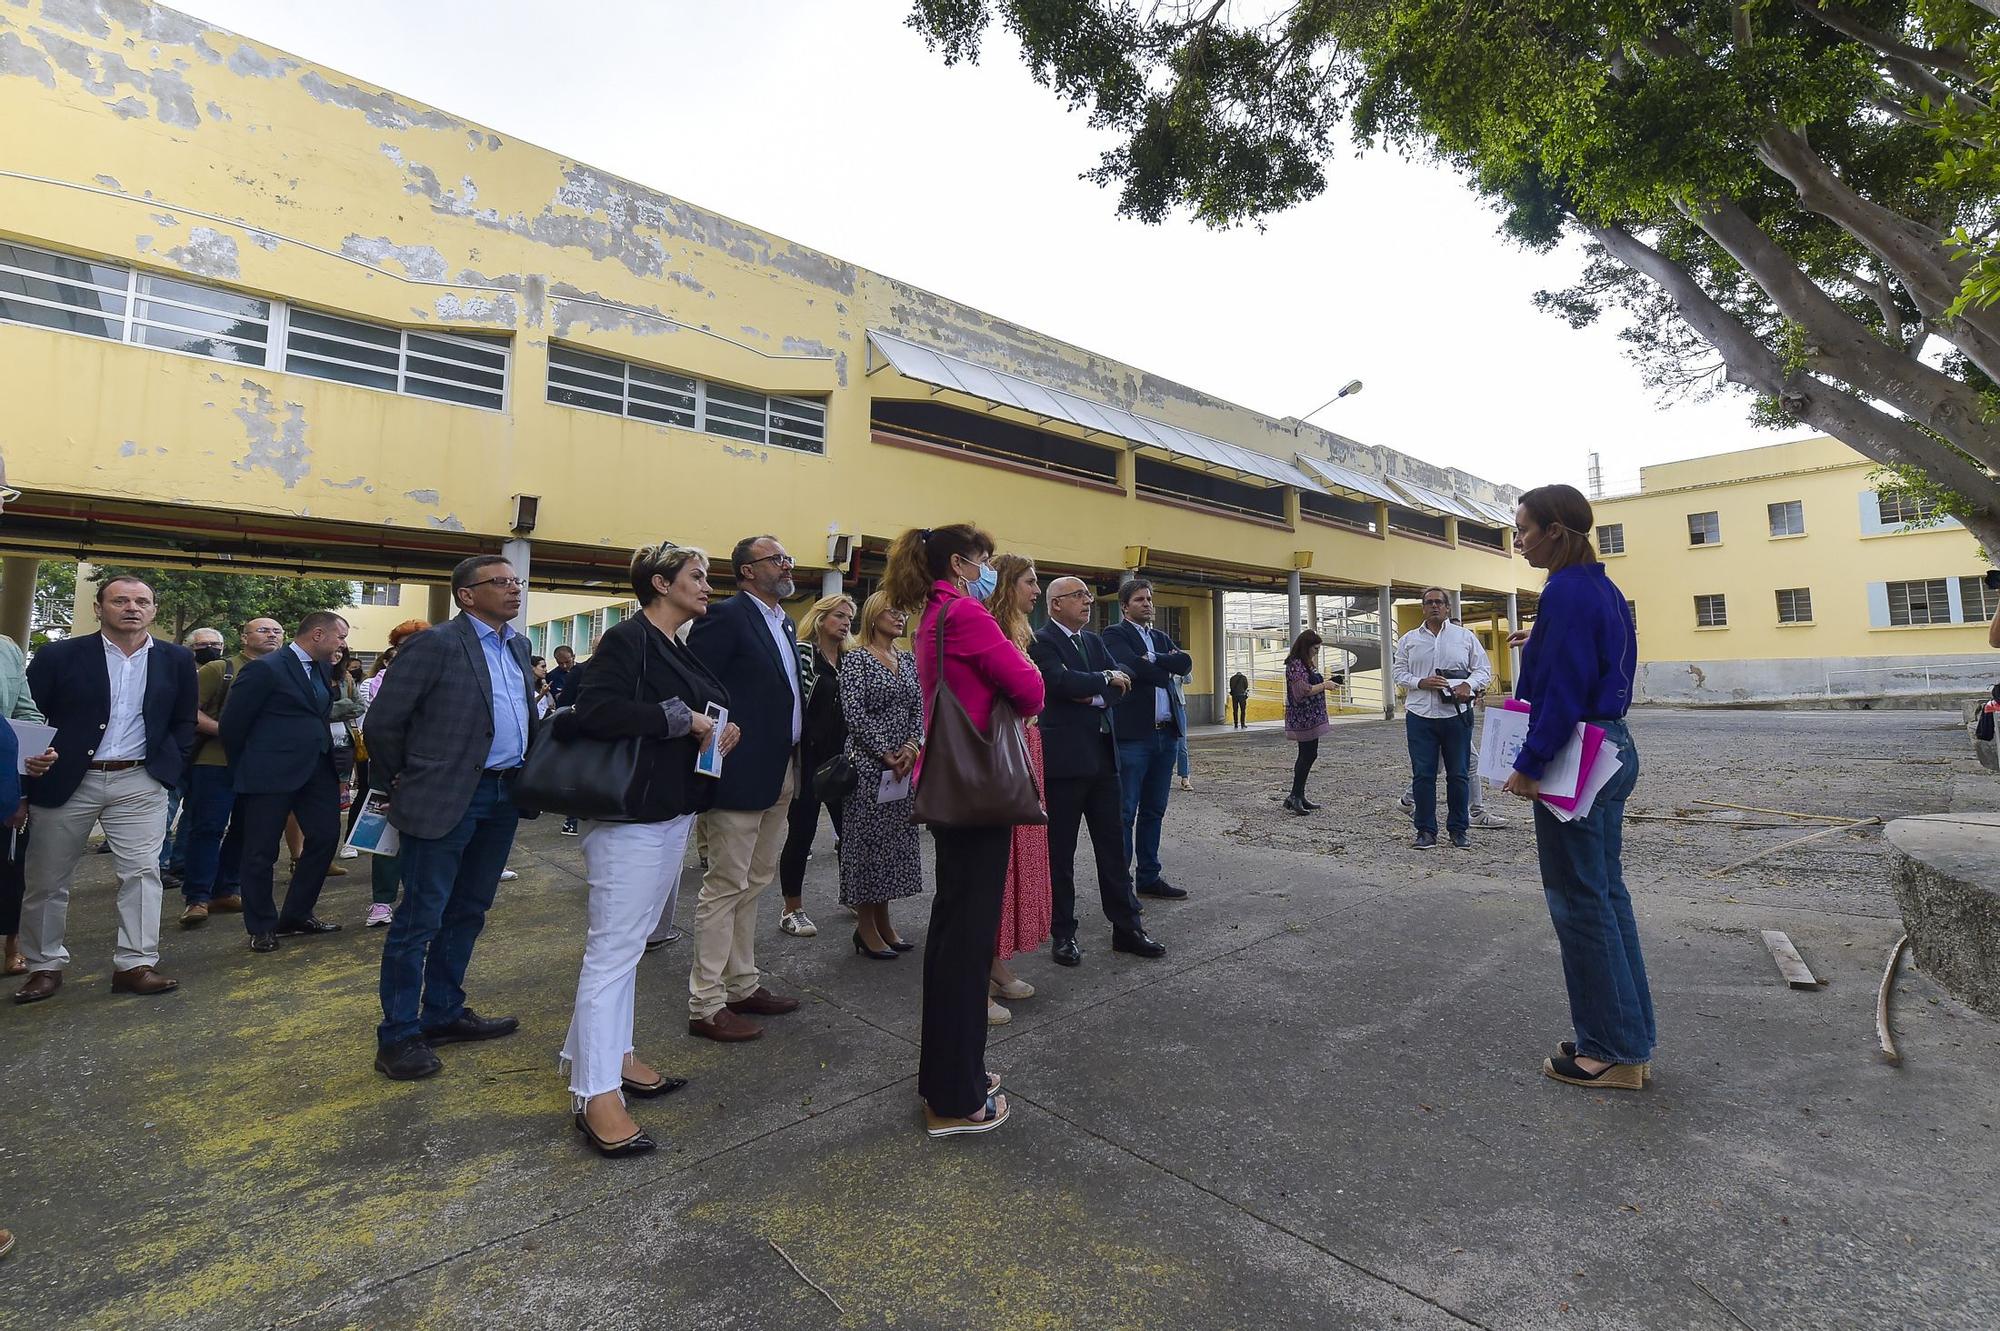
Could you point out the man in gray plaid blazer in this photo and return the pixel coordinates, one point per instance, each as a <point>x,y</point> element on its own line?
<point>445,735</point>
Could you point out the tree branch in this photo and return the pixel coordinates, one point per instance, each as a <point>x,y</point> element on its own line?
<point>1882,44</point>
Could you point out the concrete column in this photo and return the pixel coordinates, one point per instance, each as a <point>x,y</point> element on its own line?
<point>829,582</point>
<point>17,597</point>
<point>1219,644</point>
<point>1292,612</point>
<point>440,607</point>
<point>1387,606</point>
<point>519,551</point>
<point>83,610</point>
<point>1513,653</point>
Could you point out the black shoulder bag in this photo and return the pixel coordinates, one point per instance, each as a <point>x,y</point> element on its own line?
<point>580,777</point>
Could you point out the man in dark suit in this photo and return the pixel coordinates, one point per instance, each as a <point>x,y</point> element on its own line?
<point>1080,769</point>
<point>747,642</point>
<point>1149,723</point>
<point>446,734</point>
<point>122,703</point>
<point>279,742</point>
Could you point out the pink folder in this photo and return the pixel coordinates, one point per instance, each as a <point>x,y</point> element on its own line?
<point>1593,741</point>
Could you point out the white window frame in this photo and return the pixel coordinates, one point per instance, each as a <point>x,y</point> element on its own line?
<point>131,326</point>
<point>1711,521</point>
<point>1923,511</point>
<point>782,421</point>
<point>1711,611</point>
<point>1977,605</point>
<point>1780,515</point>
<point>1605,534</point>
<point>1936,602</point>
<point>1789,610</point>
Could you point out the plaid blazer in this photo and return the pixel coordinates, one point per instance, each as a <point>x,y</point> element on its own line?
<point>431,726</point>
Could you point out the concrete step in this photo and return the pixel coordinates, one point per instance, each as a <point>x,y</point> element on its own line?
<point>1946,871</point>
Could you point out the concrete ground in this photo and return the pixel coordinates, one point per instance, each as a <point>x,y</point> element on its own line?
<point>1323,1109</point>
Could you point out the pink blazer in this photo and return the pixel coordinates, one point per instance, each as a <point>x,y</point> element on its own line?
<point>979,663</point>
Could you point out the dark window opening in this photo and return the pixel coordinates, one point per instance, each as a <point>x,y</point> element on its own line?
<point>987,436</point>
<point>1492,538</point>
<point>1332,508</point>
<point>1167,481</point>
<point>1415,523</point>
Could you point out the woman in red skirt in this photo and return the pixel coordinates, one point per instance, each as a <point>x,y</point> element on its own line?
<point>1026,910</point>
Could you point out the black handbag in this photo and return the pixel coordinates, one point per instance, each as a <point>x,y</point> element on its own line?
<point>580,777</point>
<point>835,779</point>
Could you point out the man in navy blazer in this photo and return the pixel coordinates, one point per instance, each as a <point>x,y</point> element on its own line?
<point>1149,724</point>
<point>747,642</point>
<point>123,705</point>
<point>276,732</point>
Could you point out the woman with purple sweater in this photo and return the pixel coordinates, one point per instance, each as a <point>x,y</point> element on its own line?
<point>1305,714</point>
<point>1578,666</point>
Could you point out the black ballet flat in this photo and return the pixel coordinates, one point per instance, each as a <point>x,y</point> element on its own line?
<point>647,1090</point>
<point>886,954</point>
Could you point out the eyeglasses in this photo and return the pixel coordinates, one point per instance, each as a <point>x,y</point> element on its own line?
<point>508,584</point>
<point>1088,599</point>
<point>782,561</point>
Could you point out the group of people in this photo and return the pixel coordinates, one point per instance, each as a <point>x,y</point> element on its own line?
<point>745,728</point>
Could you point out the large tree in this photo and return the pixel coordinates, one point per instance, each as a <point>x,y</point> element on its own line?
<point>226,601</point>
<point>1792,196</point>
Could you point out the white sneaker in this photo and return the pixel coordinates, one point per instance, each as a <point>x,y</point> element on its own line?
<point>1481,818</point>
<point>1016,988</point>
<point>379,914</point>
<point>797,925</point>
<point>1186,784</point>
<point>508,875</point>
<point>349,853</point>
<point>1408,804</point>
<point>997,1015</point>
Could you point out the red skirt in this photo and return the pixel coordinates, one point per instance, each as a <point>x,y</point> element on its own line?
<point>1027,908</point>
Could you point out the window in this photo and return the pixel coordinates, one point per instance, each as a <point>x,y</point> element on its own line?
<point>1414,523</point>
<point>1788,519</point>
<point>1902,508</point>
<point>538,640</point>
<point>1710,612</point>
<point>1704,529</point>
<point>126,305</point>
<point>380,593</point>
<point>1632,609</point>
<point>1794,604</point>
<point>1488,538</point>
<point>982,436</point>
<point>1977,602</point>
<point>1339,511</point>
<point>1925,602</point>
<point>1611,539</point>
<point>599,621</point>
<point>558,633</point>
<point>619,388</point>
<point>1164,480</point>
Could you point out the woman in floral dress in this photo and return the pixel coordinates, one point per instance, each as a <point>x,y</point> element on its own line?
<point>1028,909</point>
<point>880,853</point>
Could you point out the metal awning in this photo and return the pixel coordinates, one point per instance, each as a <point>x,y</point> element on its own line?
<point>1501,515</point>
<point>1434,501</point>
<point>1349,483</point>
<point>1053,404</point>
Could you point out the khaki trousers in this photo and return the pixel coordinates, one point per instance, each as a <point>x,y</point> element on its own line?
<point>133,808</point>
<point>743,846</point>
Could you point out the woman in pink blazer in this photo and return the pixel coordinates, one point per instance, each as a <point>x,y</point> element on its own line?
<point>948,571</point>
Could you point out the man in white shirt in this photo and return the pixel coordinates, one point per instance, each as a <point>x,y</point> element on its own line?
<point>1442,668</point>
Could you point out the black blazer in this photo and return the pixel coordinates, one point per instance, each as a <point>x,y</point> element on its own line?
<point>274,729</point>
<point>735,643</point>
<point>634,669</point>
<point>71,686</point>
<point>1074,741</point>
<point>1133,718</point>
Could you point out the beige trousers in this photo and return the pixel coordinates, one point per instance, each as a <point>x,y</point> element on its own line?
<point>133,808</point>
<point>743,846</point>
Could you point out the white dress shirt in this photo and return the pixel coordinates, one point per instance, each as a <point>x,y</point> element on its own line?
<point>1163,707</point>
<point>788,651</point>
<point>1421,654</point>
<point>125,730</point>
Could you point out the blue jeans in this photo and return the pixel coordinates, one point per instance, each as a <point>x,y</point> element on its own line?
<point>1146,776</point>
<point>448,886</point>
<point>1181,758</point>
<point>214,840</point>
<point>173,846</point>
<point>1429,738</point>
<point>1610,1005</point>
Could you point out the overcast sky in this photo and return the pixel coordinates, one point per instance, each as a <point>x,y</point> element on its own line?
<point>832,125</point>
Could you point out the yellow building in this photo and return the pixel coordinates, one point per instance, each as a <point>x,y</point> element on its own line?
<point>1778,574</point>
<point>256,314</point>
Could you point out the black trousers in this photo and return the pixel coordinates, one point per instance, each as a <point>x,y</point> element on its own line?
<point>1302,767</point>
<point>1236,710</point>
<point>1098,802</point>
<point>317,807</point>
<point>801,826</point>
<point>965,926</point>
<point>13,880</point>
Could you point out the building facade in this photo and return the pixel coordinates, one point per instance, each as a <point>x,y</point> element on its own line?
<point>254,312</point>
<point>1779,574</point>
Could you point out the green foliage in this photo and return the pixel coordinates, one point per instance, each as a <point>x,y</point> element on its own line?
<point>226,601</point>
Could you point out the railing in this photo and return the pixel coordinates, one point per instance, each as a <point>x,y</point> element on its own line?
<point>1976,675</point>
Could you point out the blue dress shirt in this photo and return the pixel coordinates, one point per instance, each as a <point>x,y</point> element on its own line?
<point>510,696</point>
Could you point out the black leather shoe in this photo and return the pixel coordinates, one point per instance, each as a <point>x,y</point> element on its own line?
<point>1139,943</point>
<point>647,1090</point>
<point>900,945</point>
<point>1163,889</point>
<point>471,1026</point>
<point>1067,953</point>
<point>311,924</point>
<point>407,1060</point>
<point>263,942</point>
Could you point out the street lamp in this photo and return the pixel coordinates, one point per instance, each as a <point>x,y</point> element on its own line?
<point>1351,387</point>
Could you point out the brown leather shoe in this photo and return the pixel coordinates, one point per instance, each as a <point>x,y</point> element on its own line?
<point>195,915</point>
<point>142,980</point>
<point>725,1026</point>
<point>229,905</point>
<point>763,1003</point>
<point>40,985</point>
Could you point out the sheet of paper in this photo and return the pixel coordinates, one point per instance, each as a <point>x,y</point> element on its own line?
<point>709,761</point>
<point>1601,772</point>
<point>34,739</point>
<point>1501,735</point>
<point>892,788</point>
<point>373,833</point>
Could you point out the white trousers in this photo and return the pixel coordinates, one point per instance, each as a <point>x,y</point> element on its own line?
<point>635,873</point>
<point>133,808</point>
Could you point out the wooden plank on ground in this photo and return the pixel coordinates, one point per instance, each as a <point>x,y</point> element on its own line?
<point>1790,964</point>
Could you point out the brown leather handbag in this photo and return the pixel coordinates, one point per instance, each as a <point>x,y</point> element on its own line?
<point>969,779</point>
